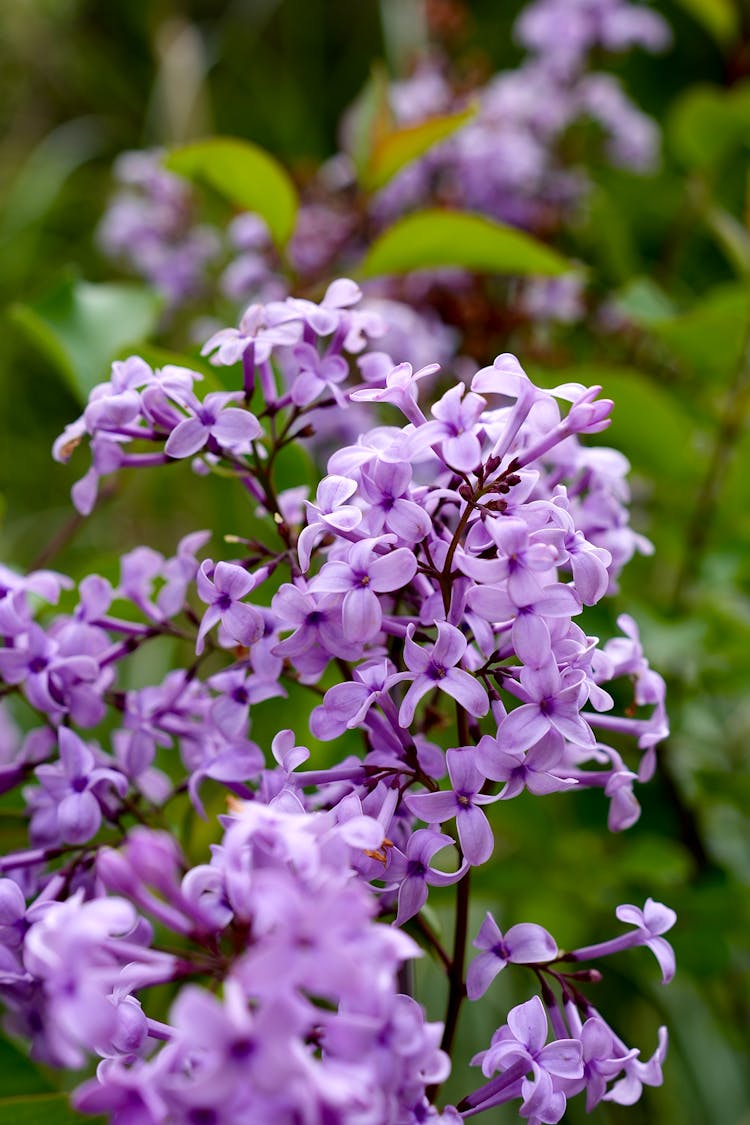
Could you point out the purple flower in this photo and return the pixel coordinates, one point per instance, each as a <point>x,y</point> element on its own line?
<point>222,587</point>
<point>524,944</point>
<point>317,373</point>
<point>521,1044</point>
<point>655,919</point>
<point>213,422</point>
<point>49,675</point>
<point>639,1074</point>
<point>651,922</point>
<point>400,389</point>
<point>551,703</point>
<point>461,801</point>
<point>346,704</point>
<point>531,769</point>
<point>413,872</point>
<point>230,344</point>
<point>386,487</point>
<point>360,577</point>
<point>330,512</point>
<point>456,416</point>
<point>73,783</point>
<point>435,667</point>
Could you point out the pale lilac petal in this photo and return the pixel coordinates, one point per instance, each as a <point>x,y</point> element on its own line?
<point>341,294</point>
<point>475,834</point>
<point>407,520</point>
<point>466,690</point>
<point>573,728</point>
<point>630,914</point>
<point>531,639</point>
<point>306,387</point>
<point>521,728</point>
<point>482,972</point>
<point>450,645</point>
<point>233,580</point>
<point>489,934</point>
<point>244,623</point>
<point>236,427</point>
<point>186,438</point>
<point>432,808</point>
<point>562,1058</point>
<point>528,1022</point>
<point>392,571</point>
<point>412,895</point>
<point>462,452</point>
<point>416,658</point>
<point>210,618</point>
<point>79,816</point>
<point>361,615</point>
<point>658,917</point>
<point>664,954</point>
<point>77,759</point>
<point>529,944</point>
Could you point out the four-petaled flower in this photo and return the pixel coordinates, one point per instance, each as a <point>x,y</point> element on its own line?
<point>435,667</point>
<point>222,587</point>
<point>524,944</point>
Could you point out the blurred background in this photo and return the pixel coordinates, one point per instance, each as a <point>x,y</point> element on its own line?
<point>667,258</point>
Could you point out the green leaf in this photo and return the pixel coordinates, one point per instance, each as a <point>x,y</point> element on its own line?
<point>719,17</point>
<point>436,239</point>
<point>14,832</point>
<point>645,302</point>
<point>650,425</point>
<point>708,123</point>
<point>709,338</point>
<point>394,150</point>
<point>41,1109</point>
<point>243,173</point>
<point>371,119</point>
<point>18,1075</point>
<point>45,172</point>
<point>82,327</point>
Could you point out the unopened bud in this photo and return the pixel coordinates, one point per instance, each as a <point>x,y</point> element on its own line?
<point>592,976</point>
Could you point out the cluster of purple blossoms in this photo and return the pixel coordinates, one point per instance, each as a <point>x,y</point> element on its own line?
<point>441,570</point>
<point>508,161</point>
<point>150,226</point>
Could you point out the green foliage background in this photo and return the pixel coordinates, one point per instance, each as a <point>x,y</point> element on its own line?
<point>80,81</point>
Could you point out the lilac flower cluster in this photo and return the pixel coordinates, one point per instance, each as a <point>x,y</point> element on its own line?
<point>511,162</point>
<point>508,162</point>
<point>429,598</point>
<point>150,226</point>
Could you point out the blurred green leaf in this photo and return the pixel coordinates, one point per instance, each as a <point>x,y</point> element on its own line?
<point>82,327</point>
<point>710,336</point>
<point>650,425</point>
<point>370,120</point>
<point>18,1075</point>
<point>243,173</point>
<point>14,834</point>
<point>40,1109</point>
<point>719,17</point>
<point>435,239</point>
<point>708,123</point>
<point>645,302</point>
<point>44,173</point>
<point>394,150</point>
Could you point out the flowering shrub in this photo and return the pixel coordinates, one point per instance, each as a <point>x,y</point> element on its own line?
<point>432,598</point>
